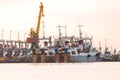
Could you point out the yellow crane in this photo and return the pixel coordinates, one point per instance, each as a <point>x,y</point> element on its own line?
<point>41,14</point>
<point>34,35</point>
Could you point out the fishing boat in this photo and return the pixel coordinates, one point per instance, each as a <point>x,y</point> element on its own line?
<point>79,48</point>
<point>12,53</point>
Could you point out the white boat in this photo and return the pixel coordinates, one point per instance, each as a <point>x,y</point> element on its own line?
<point>80,49</point>
<point>83,51</point>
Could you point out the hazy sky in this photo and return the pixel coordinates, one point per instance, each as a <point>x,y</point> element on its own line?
<point>101,18</point>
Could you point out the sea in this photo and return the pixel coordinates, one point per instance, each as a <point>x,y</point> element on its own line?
<point>60,71</point>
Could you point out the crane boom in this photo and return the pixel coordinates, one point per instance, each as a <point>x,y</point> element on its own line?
<point>34,35</point>
<point>39,19</point>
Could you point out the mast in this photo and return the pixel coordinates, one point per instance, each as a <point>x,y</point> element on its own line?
<point>80,32</point>
<point>60,35</point>
<point>59,32</point>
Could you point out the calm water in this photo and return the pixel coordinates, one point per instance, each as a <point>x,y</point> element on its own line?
<point>61,71</point>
